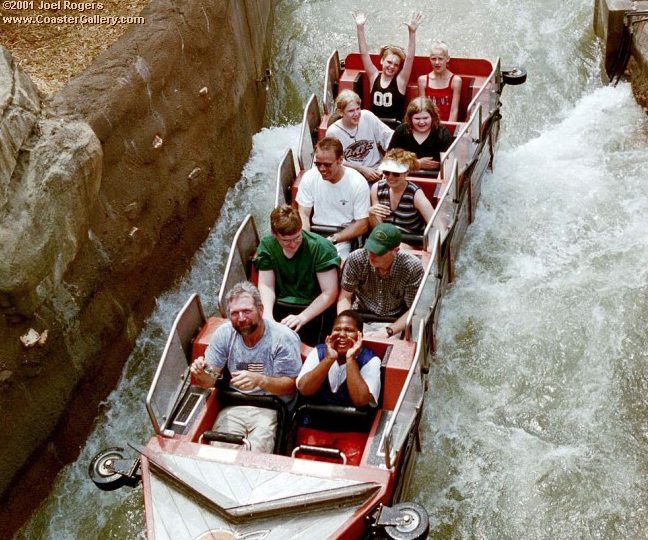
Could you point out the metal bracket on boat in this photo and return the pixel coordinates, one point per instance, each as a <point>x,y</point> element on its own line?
<point>631,17</point>
<point>634,16</point>
<point>322,451</point>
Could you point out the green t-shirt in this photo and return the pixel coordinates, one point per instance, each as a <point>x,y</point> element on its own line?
<point>296,278</point>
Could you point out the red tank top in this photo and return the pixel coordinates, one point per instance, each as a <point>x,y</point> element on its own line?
<point>442,97</point>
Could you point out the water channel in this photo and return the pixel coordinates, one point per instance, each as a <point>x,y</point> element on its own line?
<point>536,422</point>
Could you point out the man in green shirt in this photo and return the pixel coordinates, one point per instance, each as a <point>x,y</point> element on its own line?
<point>298,274</point>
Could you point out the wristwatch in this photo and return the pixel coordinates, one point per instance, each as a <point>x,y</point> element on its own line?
<point>389,330</point>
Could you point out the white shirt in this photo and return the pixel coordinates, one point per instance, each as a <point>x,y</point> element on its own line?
<point>363,146</point>
<point>335,205</point>
<point>370,373</point>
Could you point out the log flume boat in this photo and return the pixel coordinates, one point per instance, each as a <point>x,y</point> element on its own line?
<point>319,482</point>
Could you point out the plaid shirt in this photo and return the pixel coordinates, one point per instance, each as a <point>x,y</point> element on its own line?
<point>385,296</point>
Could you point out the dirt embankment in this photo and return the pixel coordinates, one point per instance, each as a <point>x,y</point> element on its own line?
<point>173,104</point>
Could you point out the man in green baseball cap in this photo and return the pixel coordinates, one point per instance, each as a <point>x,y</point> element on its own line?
<point>381,280</point>
<point>383,238</point>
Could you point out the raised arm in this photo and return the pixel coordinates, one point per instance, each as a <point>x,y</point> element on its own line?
<point>403,77</point>
<point>360,18</point>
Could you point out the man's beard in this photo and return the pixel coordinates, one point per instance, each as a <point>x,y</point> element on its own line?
<point>247,329</point>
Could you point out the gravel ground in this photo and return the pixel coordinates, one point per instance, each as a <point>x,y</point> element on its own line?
<point>53,49</point>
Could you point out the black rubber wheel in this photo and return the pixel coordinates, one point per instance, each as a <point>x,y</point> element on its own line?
<point>101,472</point>
<point>514,76</point>
<point>415,524</point>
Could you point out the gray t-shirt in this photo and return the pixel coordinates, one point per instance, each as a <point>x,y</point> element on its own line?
<point>275,355</point>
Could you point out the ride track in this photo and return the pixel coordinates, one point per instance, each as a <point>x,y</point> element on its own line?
<point>343,484</point>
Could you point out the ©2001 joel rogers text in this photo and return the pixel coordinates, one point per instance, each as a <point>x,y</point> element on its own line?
<point>81,16</point>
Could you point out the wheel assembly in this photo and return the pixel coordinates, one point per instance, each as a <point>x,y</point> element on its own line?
<point>102,471</point>
<point>404,521</point>
<point>514,76</point>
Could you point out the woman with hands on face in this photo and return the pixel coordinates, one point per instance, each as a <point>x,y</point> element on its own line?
<point>341,371</point>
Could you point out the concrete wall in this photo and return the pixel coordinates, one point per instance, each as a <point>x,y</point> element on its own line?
<point>167,114</point>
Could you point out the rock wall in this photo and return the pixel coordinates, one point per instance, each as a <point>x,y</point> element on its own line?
<point>106,190</point>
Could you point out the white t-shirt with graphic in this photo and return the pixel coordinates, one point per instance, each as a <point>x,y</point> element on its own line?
<point>364,146</point>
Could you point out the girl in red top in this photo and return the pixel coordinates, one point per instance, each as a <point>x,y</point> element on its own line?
<point>441,85</point>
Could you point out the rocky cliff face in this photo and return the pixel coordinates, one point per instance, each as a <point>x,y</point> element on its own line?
<point>106,190</point>
<point>50,175</point>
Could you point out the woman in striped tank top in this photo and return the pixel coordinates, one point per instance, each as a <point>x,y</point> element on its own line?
<point>396,200</point>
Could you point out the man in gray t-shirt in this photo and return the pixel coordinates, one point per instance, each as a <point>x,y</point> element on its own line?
<point>262,357</point>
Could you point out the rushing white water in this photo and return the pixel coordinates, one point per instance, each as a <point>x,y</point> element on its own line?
<point>535,422</point>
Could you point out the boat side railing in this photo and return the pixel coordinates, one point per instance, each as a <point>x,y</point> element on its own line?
<point>488,94</point>
<point>464,147</point>
<point>239,262</point>
<point>407,408</point>
<point>445,213</point>
<point>172,373</point>
<point>331,82</point>
<point>308,133</point>
<point>286,174</point>
<point>427,295</point>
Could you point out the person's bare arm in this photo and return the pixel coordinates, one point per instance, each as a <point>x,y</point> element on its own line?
<point>397,327</point>
<point>423,205</point>
<point>403,77</point>
<point>377,211</point>
<point>328,282</point>
<point>360,18</point>
<point>311,382</point>
<point>267,291</point>
<point>456,96</point>
<point>202,374</point>
<point>370,174</point>
<point>355,229</point>
<point>428,164</point>
<point>305,214</point>
<point>345,300</point>
<point>358,389</point>
<point>248,380</point>
<point>421,82</point>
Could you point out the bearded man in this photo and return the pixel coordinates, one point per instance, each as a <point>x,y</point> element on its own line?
<point>263,359</point>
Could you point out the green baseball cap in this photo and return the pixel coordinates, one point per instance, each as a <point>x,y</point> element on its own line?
<point>383,238</point>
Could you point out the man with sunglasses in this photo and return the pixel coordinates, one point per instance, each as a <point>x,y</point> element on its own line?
<point>334,196</point>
